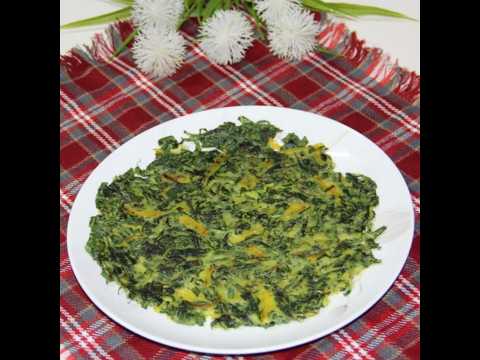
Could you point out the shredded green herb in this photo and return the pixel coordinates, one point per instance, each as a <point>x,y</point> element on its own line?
<point>241,230</point>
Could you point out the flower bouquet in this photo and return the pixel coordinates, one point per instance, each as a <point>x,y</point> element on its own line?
<point>227,28</point>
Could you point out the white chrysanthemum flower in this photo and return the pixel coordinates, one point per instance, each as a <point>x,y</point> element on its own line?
<point>271,10</point>
<point>158,52</point>
<point>226,36</point>
<point>160,13</point>
<point>292,36</point>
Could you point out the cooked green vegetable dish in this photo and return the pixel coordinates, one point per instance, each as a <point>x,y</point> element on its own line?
<point>240,230</point>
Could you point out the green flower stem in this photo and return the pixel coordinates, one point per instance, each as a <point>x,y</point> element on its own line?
<point>321,49</point>
<point>261,28</point>
<point>125,43</point>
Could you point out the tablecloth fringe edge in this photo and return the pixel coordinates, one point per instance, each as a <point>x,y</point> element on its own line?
<point>334,36</point>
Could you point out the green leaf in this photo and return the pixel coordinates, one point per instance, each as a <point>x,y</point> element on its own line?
<point>125,2</point>
<point>195,13</point>
<point>321,6</point>
<point>188,4</point>
<point>101,19</point>
<point>198,8</point>
<point>211,7</point>
<point>364,10</point>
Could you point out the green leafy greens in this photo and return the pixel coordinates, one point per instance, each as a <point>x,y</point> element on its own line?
<point>240,230</point>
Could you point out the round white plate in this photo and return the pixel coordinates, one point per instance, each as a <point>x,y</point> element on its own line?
<point>351,151</point>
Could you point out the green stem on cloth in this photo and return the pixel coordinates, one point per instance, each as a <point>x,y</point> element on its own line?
<point>323,50</point>
<point>125,43</point>
<point>261,28</point>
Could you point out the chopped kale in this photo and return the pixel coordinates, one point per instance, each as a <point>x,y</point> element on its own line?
<point>242,231</point>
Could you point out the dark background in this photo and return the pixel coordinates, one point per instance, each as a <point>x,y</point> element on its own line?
<point>30,188</point>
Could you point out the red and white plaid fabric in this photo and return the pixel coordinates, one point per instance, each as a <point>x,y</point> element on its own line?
<point>104,102</point>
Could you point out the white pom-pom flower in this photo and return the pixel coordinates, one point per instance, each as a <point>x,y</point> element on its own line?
<point>158,52</point>
<point>272,10</point>
<point>160,13</point>
<point>226,36</point>
<point>292,36</point>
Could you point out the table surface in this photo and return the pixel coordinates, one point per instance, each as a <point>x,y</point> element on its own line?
<point>398,38</point>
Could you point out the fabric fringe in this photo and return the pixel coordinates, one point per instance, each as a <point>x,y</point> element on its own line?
<point>101,49</point>
<point>333,36</point>
<point>378,66</point>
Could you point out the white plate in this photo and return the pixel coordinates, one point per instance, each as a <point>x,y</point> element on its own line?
<point>351,152</point>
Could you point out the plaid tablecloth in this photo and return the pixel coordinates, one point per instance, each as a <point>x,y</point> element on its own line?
<point>106,102</point>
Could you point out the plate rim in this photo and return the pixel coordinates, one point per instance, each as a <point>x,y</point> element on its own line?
<point>255,350</point>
